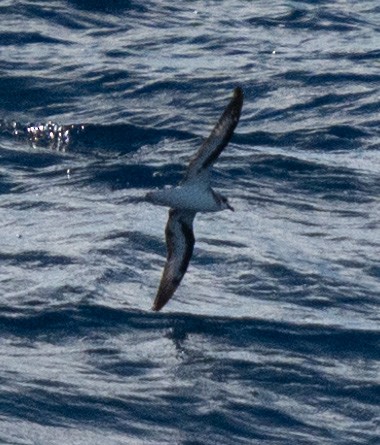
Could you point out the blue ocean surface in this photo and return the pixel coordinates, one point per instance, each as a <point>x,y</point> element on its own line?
<point>273,336</point>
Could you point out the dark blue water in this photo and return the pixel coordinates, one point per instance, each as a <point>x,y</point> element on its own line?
<point>273,336</point>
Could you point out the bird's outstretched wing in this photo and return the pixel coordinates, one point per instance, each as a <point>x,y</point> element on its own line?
<point>219,137</point>
<point>180,243</point>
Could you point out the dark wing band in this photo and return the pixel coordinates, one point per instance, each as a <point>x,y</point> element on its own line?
<point>180,243</point>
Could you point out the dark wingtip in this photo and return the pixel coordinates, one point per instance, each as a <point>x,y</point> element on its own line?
<point>239,93</point>
<point>158,305</point>
<point>236,104</point>
<point>160,301</point>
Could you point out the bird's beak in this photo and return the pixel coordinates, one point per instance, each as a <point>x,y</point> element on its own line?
<point>229,206</point>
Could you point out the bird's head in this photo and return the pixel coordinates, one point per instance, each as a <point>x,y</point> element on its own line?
<point>224,204</point>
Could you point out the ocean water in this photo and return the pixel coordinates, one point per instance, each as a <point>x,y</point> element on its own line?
<point>273,336</point>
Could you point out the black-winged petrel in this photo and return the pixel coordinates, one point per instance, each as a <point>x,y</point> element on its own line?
<point>194,194</point>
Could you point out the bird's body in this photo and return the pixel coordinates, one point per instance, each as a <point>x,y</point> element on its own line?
<point>187,197</point>
<point>194,194</point>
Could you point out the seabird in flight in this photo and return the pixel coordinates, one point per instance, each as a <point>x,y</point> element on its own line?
<point>193,194</point>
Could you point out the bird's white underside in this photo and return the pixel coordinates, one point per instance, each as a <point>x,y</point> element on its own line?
<point>197,197</point>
